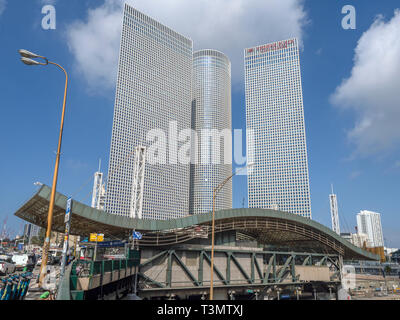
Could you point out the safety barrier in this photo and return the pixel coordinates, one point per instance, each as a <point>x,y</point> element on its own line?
<point>87,275</point>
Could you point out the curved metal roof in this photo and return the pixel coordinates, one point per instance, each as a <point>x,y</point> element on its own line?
<point>264,225</point>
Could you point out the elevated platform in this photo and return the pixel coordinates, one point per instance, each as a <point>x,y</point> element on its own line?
<point>269,227</point>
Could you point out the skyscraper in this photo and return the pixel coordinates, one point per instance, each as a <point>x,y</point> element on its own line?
<point>334,212</point>
<point>276,139</point>
<point>153,89</point>
<point>369,222</point>
<point>98,192</point>
<point>211,110</point>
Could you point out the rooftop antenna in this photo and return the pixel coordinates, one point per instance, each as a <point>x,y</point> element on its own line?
<point>334,212</point>
<point>98,192</point>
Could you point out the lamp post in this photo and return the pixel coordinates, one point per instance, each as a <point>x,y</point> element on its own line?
<point>216,190</point>
<point>27,58</point>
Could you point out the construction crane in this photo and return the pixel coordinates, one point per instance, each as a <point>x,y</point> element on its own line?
<point>3,231</point>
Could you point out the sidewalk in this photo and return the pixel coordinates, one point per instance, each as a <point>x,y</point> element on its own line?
<point>50,283</point>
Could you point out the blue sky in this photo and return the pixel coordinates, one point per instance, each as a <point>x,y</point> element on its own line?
<point>352,136</point>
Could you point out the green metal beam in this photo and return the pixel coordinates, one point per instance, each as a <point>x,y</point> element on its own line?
<point>293,268</point>
<point>162,253</point>
<point>307,261</point>
<point>219,274</point>
<point>252,276</point>
<point>262,252</point>
<point>228,266</point>
<point>260,275</point>
<point>187,271</point>
<point>284,268</point>
<point>335,263</point>
<point>200,271</point>
<point>271,262</point>
<point>168,280</point>
<point>239,286</point>
<point>323,260</point>
<point>242,271</point>
<point>148,279</point>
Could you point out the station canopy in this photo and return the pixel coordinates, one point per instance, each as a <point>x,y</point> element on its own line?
<point>268,227</point>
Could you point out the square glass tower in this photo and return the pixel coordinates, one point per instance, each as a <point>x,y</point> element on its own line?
<point>276,139</point>
<point>153,89</point>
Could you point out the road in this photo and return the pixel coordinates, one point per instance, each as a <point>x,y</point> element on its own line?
<point>388,297</point>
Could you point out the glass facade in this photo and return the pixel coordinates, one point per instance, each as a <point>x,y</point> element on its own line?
<point>153,88</point>
<point>276,140</point>
<point>211,110</point>
<point>369,223</point>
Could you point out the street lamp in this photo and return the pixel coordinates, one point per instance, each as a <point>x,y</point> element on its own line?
<point>27,58</point>
<point>216,190</point>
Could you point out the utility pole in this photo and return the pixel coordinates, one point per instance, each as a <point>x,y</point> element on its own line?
<point>216,190</point>
<point>28,59</point>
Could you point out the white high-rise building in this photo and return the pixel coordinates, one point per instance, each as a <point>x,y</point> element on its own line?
<point>369,222</point>
<point>98,192</point>
<point>334,212</point>
<point>211,111</point>
<point>31,230</point>
<point>153,90</point>
<point>276,138</point>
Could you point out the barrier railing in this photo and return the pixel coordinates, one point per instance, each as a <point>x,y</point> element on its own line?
<point>85,275</point>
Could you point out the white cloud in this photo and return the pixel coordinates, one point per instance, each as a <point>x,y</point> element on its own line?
<point>3,4</point>
<point>225,25</point>
<point>372,90</point>
<point>52,2</point>
<point>355,174</point>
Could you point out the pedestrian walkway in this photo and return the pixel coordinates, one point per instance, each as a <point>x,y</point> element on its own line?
<point>49,283</point>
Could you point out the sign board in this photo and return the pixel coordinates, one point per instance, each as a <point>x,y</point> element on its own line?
<point>96,237</point>
<point>93,237</point>
<point>136,235</point>
<point>67,221</point>
<point>111,244</point>
<point>271,46</point>
<point>68,210</point>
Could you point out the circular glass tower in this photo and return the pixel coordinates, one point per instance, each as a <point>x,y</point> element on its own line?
<point>211,119</point>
